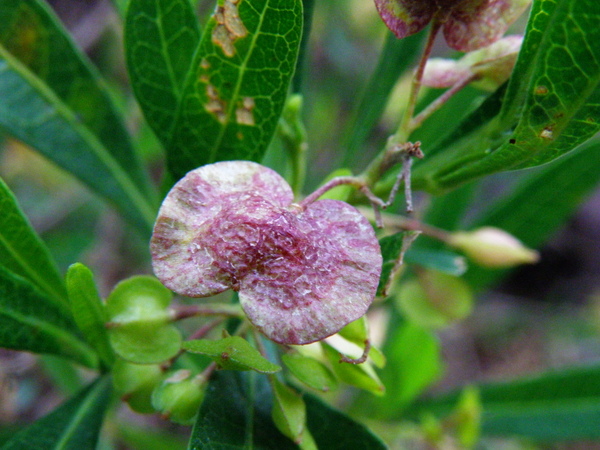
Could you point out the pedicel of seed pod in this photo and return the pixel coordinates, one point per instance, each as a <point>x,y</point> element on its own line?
<point>302,273</point>
<point>467,24</point>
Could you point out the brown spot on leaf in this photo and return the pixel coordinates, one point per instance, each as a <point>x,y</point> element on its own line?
<point>215,104</point>
<point>243,113</point>
<point>540,90</point>
<point>229,27</point>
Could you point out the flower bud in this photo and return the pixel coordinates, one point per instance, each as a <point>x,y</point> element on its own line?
<point>492,247</point>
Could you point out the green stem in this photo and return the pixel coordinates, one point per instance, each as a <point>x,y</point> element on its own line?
<point>293,136</point>
<point>374,171</point>
<point>207,309</point>
<point>308,7</point>
<point>405,128</point>
<point>439,102</point>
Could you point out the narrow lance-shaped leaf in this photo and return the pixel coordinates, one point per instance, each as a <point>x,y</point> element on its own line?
<point>237,87</point>
<point>236,414</point>
<point>289,411</point>
<point>32,112</point>
<point>552,101</point>
<point>552,406</point>
<point>396,56</point>
<point>161,37</point>
<point>30,322</point>
<point>88,310</point>
<point>74,425</point>
<point>24,253</point>
<point>33,34</point>
<point>540,203</point>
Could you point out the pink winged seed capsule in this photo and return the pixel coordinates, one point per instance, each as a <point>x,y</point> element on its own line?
<point>467,24</point>
<point>302,273</point>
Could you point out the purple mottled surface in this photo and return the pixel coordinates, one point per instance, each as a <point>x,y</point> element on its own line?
<point>474,24</point>
<point>467,24</point>
<point>302,274</point>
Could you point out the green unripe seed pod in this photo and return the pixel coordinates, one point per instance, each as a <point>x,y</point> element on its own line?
<point>179,397</point>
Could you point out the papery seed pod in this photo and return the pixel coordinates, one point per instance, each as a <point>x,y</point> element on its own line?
<point>302,273</point>
<point>467,24</point>
<point>179,396</point>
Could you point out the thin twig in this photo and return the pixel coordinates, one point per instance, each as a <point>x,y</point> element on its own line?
<point>361,359</point>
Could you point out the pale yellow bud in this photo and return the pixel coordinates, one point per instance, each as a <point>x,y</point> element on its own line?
<point>492,247</point>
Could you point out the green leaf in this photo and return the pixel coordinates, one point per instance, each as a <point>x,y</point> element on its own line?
<point>540,203</point>
<point>54,101</point>
<point>88,310</point>
<point>232,353</point>
<point>289,411</point>
<point>140,437</point>
<point>413,363</point>
<point>310,371</point>
<point>333,430</point>
<point>551,104</point>
<point>30,322</point>
<point>36,38</point>
<point>435,299</point>
<point>24,253</point>
<point>236,90</point>
<point>440,260</point>
<point>31,112</point>
<point>160,39</point>
<point>396,56</point>
<point>236,414</point>
<point>362,376</point>
<point>63,373</point>
<point>74,425</point>
<point>552,406</point>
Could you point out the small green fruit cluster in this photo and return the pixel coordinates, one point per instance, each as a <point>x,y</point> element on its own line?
<point>141,331</point>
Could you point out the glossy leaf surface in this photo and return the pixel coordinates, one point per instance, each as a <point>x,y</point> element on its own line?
<point>160,39</point>
<point>237,87</point>
<point>54,101</point>
<point>232,353</point>
<point>236,414</point>
<point>73,426</point>
<point>30,322</point>
<point>310,371</point>
<point>24,253</point>
<point>540,203</point>
<point>551,104</point>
